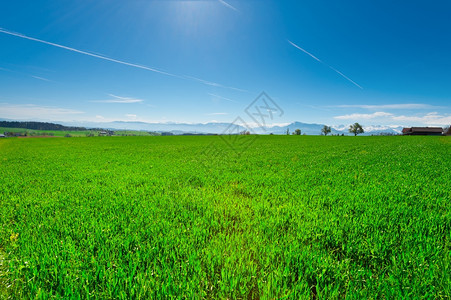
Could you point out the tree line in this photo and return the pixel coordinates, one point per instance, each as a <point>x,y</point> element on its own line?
<point>39,126</point>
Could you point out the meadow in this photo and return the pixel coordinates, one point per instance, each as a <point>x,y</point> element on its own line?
<point>49,133</point>
<point>270,217</point>
<point>71,133</point>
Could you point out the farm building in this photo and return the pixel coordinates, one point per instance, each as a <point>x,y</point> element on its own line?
<point>406,130</point>
<point>13,134</point>
<point>422,131</point>
<point>106,133</point>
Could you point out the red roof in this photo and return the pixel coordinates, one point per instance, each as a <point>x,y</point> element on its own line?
<point>406,130</point>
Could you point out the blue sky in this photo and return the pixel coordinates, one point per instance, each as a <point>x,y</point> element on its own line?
<point>331,62</point>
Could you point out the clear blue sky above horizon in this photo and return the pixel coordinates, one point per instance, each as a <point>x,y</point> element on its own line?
<point>372,62</point>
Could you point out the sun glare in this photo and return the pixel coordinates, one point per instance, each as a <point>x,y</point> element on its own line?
<point>194,17</point>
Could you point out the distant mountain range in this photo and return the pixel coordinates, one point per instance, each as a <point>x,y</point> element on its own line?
<point>218,128</point>
<point>228,128</point>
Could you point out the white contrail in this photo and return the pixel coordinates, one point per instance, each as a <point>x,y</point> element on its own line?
<point>40,78</point>
<point>346,77</point>
<point>228,5</point>
<point>85,53</point>
<point>316,58</point>
<point>33,76</point>
<point>222,98</point>
<point>213,83</point>
<point>332,68</point>
<point>2,30</point>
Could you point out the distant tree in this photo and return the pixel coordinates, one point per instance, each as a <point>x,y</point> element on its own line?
<point>326,130</point>
<point>288,131</point>
<point>297,132</point>
<point>447,130</point>
<point>356,129</point>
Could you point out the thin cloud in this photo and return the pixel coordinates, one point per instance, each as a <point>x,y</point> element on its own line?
<point>228,5</point>
<point>222,98</point>
<point>379,114</point>
<point>217,114</point>
<point>16,34</point>
<point>391,106</point>
<point>206,82</point>
<point>24,74</point>
<point>31,111</point>
<point>41,78</point>
<point>433,118</point>
<point>118,99</point>
<point>332,68</point>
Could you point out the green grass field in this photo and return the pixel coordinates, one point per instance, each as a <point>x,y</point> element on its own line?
<point>56,133</point>
<point>265,217</point>
<point>79,133</point>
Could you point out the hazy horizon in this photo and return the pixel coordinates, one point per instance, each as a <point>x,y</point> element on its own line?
<point>207,61</point>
